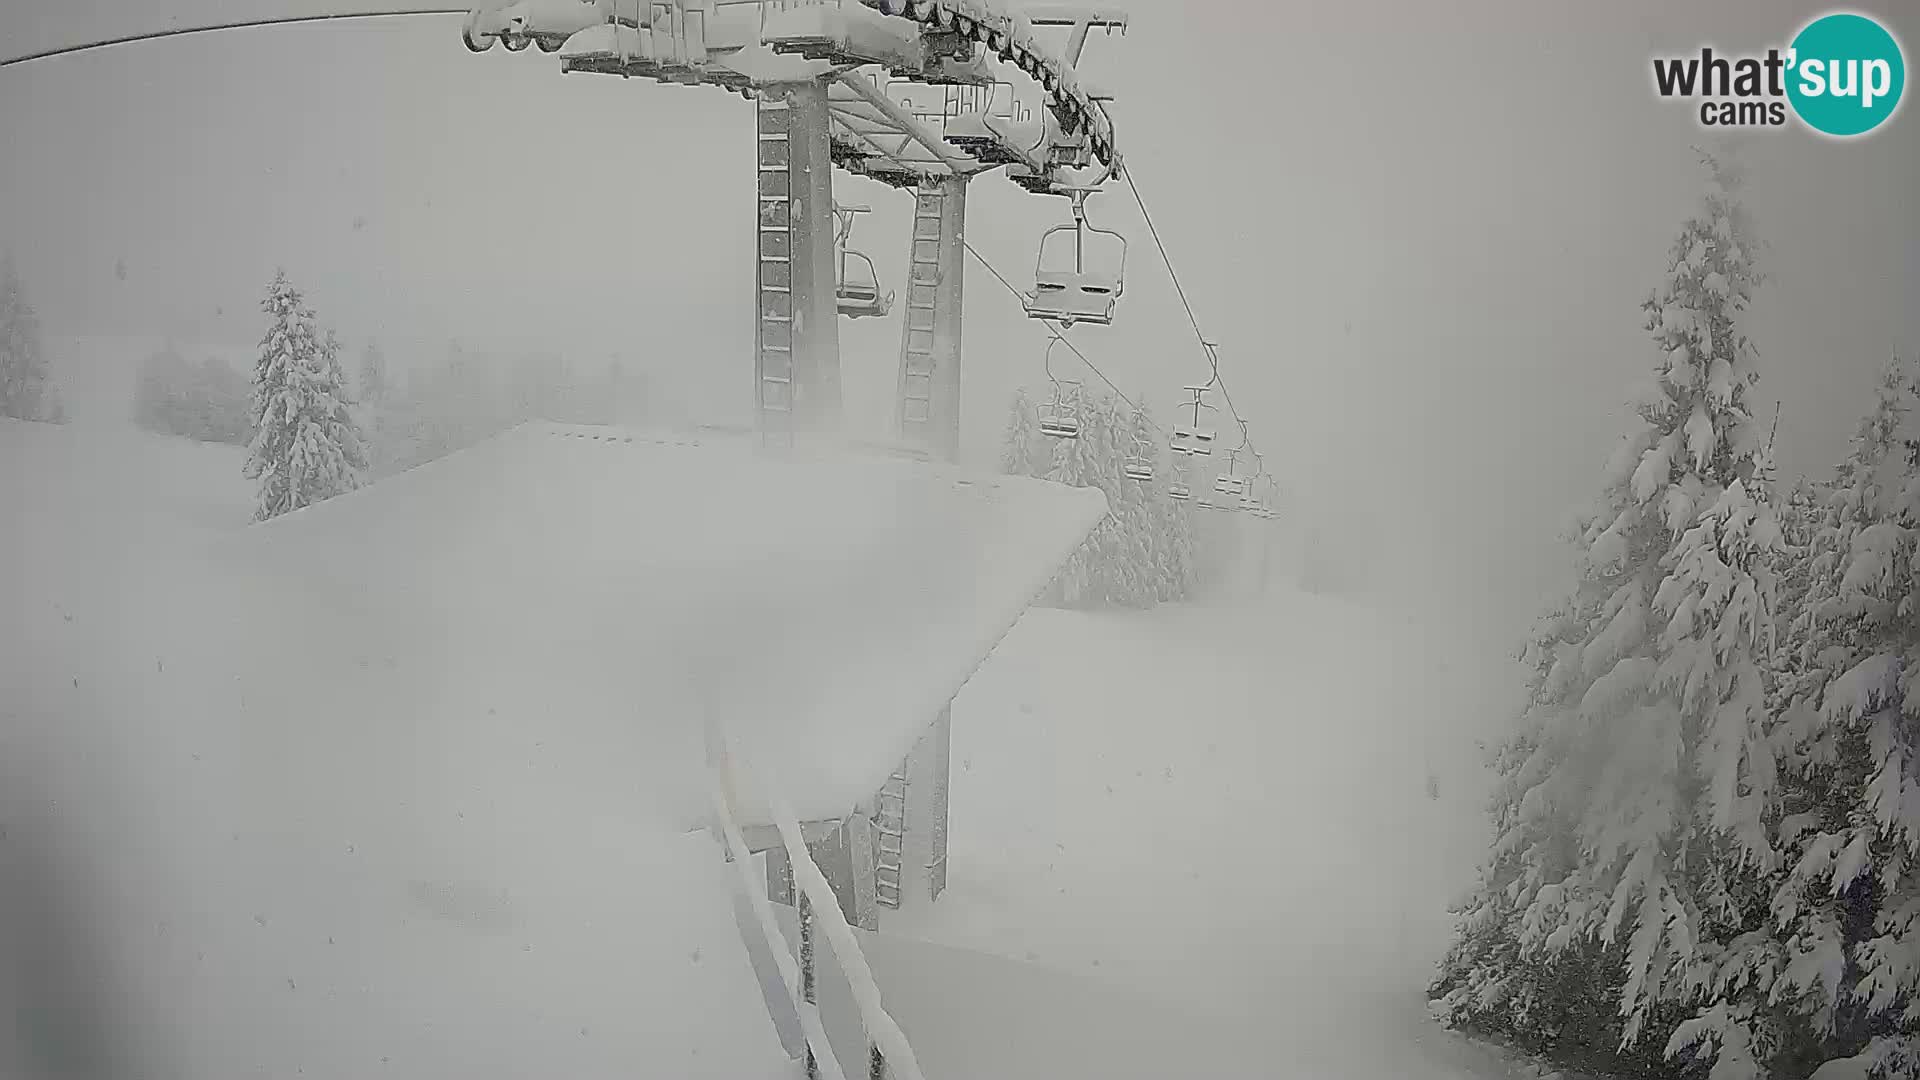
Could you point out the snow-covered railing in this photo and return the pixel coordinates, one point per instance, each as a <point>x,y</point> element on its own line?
<point>792,978</point>
<point>892,1056</point>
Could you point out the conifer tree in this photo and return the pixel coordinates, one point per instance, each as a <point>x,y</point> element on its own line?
<point>1632,837</point>
<point>25,393</point>
<point>1850,828</point>
<point>306,446</point>
<point>1022,435</point>
<point>374,381</point>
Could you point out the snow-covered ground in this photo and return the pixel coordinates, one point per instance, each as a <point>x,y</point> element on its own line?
<point>219,859</point>
<point>1190,842</point>
<point>1198,842</point>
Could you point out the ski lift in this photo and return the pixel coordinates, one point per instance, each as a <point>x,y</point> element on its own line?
<point>1065,288</point>
<point>1230,483</point>
<point>856,284</point>
<point>1137,465</point>
<point>1191,437</point>
<point>1177,484</point>
<point>1060,417</point>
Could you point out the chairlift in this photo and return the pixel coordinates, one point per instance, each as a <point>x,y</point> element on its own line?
<point>1068,285</point>
<point>856,284</point>
<point>1191,437</point>
<point>1060,416</point>
<point>1138,464</point>
<point>1229,483</point>
<point>1177,483</point>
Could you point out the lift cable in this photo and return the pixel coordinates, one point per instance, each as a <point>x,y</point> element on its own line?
<point>1054,331</point>
<point>248,24</point>
<point>1126,173</point>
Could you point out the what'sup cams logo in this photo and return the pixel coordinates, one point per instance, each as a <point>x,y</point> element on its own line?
<point>1842,75</point>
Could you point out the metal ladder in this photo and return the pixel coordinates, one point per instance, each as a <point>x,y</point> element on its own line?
<point>890,829</point>
<point>773,337</point>
<point>916,351</point>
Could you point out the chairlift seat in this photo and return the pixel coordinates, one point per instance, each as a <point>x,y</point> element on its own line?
<point>1189,441</point>
<point>1070,298</point>
<point>1137,469</point>
<point>1177,490</point>
<point>857,294</point>
<point>1060,423</point>
<point>1229,485</point>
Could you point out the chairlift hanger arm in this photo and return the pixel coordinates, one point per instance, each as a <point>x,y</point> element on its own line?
<point>1080,20</point>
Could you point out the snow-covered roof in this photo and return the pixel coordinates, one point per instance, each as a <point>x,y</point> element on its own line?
<point>611,590</point>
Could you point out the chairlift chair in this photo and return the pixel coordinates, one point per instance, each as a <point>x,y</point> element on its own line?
<point>1229,482</point>
<point>1138,464</point>
<point>1060,416</point>
<point>1191,437</point>
<point>1065,288</point>
<point>1179,490</point>
<point>856,284</point>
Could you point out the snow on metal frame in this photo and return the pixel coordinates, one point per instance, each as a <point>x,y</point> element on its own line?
<point>605,586</point>
<point>879,1024</point>
<point>739,854</point>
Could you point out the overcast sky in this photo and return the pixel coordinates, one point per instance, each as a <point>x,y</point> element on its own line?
<point>1420,235</point>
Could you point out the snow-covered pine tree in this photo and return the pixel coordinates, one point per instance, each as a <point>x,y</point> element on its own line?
<point>1850,739</point>
<point>374,381</point>
<point>306,447</point>
<point>25,393</point>
<point>1633,817</point>
<point>1142,552</point>
<point>1022,436</point>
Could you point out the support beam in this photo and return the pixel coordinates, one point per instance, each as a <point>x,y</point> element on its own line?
<point>907,122</point>
<point>928,404</point>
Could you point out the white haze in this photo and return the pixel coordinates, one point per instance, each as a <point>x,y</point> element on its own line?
<point>1421,236</point>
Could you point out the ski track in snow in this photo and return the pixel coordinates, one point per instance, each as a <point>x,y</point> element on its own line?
<point>1192,841</point>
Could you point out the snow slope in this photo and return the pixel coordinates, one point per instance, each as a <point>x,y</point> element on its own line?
<point>404,779</point>
<point>1216,817</point>
<point>1194,841</point>
<point>214,862</point>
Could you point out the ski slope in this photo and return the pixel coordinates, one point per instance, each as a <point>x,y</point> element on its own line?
<point>404,779</point>
<point>1192,841</point>
<point>1197,841</point>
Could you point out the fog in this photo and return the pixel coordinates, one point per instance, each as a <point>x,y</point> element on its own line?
<point>1420,236</point>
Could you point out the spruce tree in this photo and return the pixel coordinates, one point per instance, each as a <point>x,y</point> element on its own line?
<point>306,447</point>
<point>24,391</point>
<point>1632,818</point>
<point>1850,732</point>
<point>374,382</point>
<point>1022,435</point>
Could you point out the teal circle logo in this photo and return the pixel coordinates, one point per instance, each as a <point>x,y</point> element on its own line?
<point>1846,74</point>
